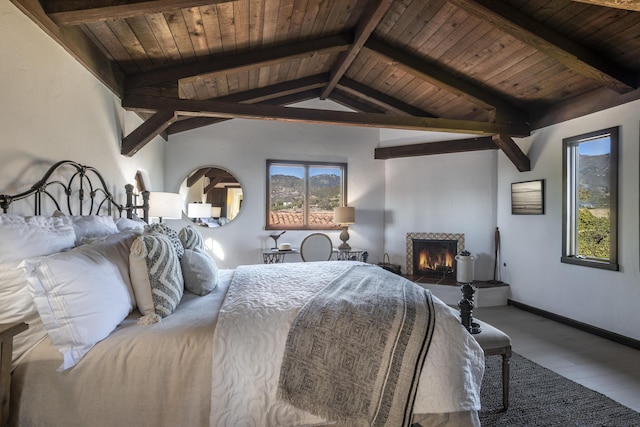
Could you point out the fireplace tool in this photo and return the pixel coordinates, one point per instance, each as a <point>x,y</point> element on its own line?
<point>495,280</point>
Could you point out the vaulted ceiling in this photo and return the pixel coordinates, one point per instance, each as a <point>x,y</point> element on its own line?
<point>497,69</point>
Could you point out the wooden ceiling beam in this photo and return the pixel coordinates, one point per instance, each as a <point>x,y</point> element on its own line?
<point>197,122</point>
<point>148,130</point>
<point>513,152</point>
<point>79,12</point>
<point>302,115</point>
<point>617,4</point>
<point>197,175</point>
<point>378,98</point>
<point>444,79</point>
<point>551,43</point>
<point>190,73</point>
<point>374,12</point>
<point>349,101</point>
<point>438,147</point>
<point>78,45</point>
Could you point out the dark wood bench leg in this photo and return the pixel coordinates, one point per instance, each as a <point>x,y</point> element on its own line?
<point>506,356</point>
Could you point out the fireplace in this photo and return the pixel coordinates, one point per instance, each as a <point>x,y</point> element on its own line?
<point>433,254</point>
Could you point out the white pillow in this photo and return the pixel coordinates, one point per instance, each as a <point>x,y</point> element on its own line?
<point>18,306</point>
<point>199,271</point>
<point>81,297</point>
<point>124,224</point>
<point>30,236</point>
<point>88,226</point>
<point>156,276</point>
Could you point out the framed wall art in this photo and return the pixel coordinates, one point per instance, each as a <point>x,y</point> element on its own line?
<point>527,198</point>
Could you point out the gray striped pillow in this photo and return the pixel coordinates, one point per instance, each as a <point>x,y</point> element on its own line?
<point>191,238</point>
<point>156,276</point>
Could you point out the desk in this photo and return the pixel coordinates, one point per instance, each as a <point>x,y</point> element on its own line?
<point>276,256</point>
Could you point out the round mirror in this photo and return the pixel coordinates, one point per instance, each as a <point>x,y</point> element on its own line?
<point>213,196</point>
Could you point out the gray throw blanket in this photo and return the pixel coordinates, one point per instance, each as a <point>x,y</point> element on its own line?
<point>355,351</point>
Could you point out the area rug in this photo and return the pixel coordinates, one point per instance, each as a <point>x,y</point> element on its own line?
<point>540,397</point>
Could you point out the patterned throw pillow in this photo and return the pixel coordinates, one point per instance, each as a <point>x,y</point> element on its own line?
<point>191,238</point>
<point>156,276</point>
<point>162,228</point>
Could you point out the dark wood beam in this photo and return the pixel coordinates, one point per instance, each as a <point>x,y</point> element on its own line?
<point>78,45</point>
<point>148,130</point>
<point>438,147</point>
<point>373,14</point>
<point>197,175</point>
<point>618,4</point>
<point>87,11</point>
<point>445,80</point>
<point>513,152</point>
<point>551,43</point>
<point>263,112</point>
<point>349,101</point>
<point>237,63</point>
<point>191,123</point>
<point>378,98</point>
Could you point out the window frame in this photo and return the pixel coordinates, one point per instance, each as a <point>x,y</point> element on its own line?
<point>570,208</point>
<point>306,165</point>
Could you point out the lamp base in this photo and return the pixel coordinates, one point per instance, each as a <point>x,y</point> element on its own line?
<point>344,236</point>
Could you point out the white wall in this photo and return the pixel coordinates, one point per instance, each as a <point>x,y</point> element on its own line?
<point>532,244</point>
<point>53,109</point>
<point>444,193</point>
<point>243,146</point>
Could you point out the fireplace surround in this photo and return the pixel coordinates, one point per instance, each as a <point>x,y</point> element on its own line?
<point>433,254</point>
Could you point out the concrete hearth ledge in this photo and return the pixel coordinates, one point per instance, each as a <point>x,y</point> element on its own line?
<point>487,294</point>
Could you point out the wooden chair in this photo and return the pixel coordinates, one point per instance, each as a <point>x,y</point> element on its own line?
<point>494,342</point>
<point>316,247</point>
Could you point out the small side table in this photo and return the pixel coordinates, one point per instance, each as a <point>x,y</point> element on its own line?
<point>350,254</point>
<point>7,332</point>
<point>276,256</point>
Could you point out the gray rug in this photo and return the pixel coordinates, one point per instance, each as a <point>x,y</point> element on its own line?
<point>540,397</point>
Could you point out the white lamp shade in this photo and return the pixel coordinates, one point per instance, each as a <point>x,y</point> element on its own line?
<point>199,210</point>
<point>216,211</point>
<point>165,205</point>
<point>344,215</point>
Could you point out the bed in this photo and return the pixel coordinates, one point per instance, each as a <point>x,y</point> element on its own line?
<point>119,335</point>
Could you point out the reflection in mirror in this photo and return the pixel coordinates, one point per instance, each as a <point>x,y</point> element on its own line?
<point>213,196</point>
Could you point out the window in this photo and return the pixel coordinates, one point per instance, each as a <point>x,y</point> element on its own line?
<point>302,195</point>
<point>590,194</point>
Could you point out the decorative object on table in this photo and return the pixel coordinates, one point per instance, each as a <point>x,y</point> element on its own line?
<point>466,305</point>
<point>165,205</point>
<point>275,238</point>
<point>386,264</point>
<point>495,280</point>
<point>527,198</point>
<point>344,216</point>
<point>284,247</point>
<point>199,210</point>
<point>464,267</point>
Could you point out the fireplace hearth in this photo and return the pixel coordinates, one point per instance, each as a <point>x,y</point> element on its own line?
<point>433,254</point>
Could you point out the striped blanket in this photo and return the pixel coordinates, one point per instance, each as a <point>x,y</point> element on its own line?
<point>355,351</point>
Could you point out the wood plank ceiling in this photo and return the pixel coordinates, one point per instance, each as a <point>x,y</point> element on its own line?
<point>496,69</point>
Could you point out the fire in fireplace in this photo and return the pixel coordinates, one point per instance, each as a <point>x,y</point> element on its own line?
<point>434,257</point>
<point>433,254</point>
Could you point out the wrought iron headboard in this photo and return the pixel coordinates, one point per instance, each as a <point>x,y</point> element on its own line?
<point>84,188</point>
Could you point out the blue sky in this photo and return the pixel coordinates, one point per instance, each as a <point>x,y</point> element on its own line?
<point>596,146</point>
<point>299,171</point>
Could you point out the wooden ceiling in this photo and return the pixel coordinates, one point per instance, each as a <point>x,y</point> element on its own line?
<point>496,69</point>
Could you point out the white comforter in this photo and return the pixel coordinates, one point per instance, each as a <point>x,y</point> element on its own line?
<point>250,337</point>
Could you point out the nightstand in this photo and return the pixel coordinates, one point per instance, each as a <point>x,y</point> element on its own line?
<point>7,332</point>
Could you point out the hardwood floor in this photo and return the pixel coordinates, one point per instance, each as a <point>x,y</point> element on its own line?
<point>602,365</point>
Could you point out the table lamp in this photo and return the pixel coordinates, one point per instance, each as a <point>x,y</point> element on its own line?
<point>165,205</point>
<point>199,211</point>
<point>343,216</point>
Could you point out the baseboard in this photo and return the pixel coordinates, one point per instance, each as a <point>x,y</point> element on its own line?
<point>620,339</point>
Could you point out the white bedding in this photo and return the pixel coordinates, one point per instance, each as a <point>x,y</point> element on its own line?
<point>254,321</point>
<point>181,372</point>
